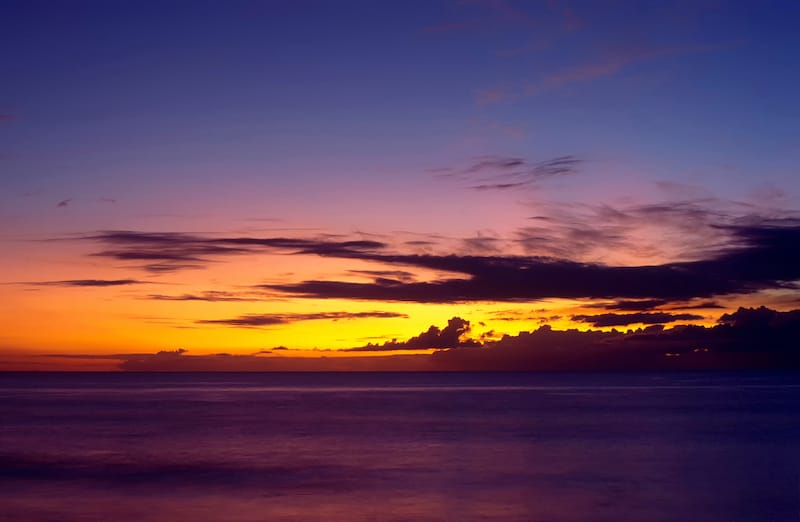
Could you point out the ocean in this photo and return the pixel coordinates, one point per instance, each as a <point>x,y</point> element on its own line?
<point>646,447</point>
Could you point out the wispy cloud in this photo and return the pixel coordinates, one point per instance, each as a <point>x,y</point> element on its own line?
<point>171,251</point>
<point>64,203</point>
<point>500,173</point>
<point>760,256</point>
<point>87,282</point>
<point>606,320</point>
<point>209,296</point>
<point>259,320</point>
<point>588,71</point>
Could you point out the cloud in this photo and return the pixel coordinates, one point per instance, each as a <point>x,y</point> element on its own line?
<point>750,338</point>
<point>493,95</point>
<point>605,320</point>
<point>705,305</point>
<point>690,229</point>
<point>64,203</point>
<point>259,320</point>
<point>610,65</point>
<point>631,305</point>
<point>588,71</point>
<point>210,296</point>
<point>7,117</point>
<point>267,361</point>
<point>399,275</point>
<point>502,172</point>
<point>747,339</point>
<point>88,282</point>
<point>451,336</point>
<point>760,256</point>
<point>172,251</point>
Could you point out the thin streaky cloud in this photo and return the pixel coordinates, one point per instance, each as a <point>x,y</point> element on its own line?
<point>259,320</point>
<point>87,282</point>
<point>606,320</point>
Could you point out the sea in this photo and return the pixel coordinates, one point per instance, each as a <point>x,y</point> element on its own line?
<point>548,447</point>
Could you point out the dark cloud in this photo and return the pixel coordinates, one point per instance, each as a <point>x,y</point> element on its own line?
<point>750,338</point>
<point>639,305</point>
<point>399,275</point>
<point>64,203</point>
<point>451,336</point>
<point>170,251</point>
<point>605,320</point>
<point>210,296</point>
<point>502,173</point>
<point>88,282</point>
<point>258,320</point>
<point>760,257</point>
<point>482,244</point>
<point>705,305</point>
<point>746,339</point>
<point>631,305</point>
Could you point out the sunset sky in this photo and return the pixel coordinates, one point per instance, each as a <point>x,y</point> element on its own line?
<point>393,183</point>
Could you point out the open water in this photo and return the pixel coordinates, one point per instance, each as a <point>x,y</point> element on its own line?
<point>717,447</point>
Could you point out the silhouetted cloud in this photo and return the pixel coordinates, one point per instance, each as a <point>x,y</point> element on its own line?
<point>761,256</point>
<point>705,305</point>
<point>258,320</point>
<point>399,275</point>
<point>605,320</point>
<point>210,296</point>
<point>170,251</point>
<point>64,203</point>
<point>88,282</point>
<point>749,338</point>
<point>451,336</point>
<point>638,305</point>
<point>631,305</point>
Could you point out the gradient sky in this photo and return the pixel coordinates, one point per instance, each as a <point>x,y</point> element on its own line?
<point>231,177</point>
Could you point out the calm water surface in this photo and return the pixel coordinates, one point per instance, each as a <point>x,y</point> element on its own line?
<point>400,447</point>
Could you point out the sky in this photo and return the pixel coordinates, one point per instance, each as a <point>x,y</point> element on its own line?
<point>447,184</point>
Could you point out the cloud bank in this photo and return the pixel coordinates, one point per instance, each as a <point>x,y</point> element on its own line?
<point>750,338</point>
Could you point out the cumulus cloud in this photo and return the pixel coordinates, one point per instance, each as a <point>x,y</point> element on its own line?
<point>451,336</point>
<point>746,339</point>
